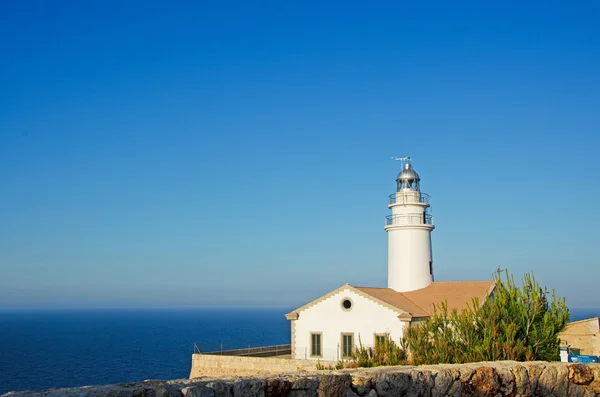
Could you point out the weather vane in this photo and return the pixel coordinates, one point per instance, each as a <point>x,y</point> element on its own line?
<point>402,160</point>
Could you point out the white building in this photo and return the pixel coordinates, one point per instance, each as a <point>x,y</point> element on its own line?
<point>329,327</point>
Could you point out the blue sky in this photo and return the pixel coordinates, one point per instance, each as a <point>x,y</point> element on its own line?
<point>204,153</point>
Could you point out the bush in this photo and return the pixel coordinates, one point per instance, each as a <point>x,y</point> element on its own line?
<point>385,353</point>
<point>514,324</point>
<point>322,367</point>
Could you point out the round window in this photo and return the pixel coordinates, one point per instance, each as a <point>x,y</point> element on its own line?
<point>346,304</point>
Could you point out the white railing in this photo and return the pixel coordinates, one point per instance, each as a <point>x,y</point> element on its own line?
<point>409,219</point>
<point>332,354</point>
<point>409,196</point>
<point>327,354</point>
<point>259,351</point>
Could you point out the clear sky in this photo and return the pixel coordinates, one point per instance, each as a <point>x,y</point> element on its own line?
<point>160,154</point>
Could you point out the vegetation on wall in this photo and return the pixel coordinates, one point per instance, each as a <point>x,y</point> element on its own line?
<point>516,323</point>
<point>385,352</point>
<point>322,367</point>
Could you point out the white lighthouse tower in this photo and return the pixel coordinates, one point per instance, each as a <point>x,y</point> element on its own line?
<point>409,229</point>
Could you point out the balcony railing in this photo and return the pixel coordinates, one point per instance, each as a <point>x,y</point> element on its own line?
<point>409,219</point>
<point>261,351</point>
<point>408,197</point>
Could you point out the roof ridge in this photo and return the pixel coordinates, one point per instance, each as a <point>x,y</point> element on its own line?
<point>359,286</point>
<point>456,282</point>
<point>583,320</point>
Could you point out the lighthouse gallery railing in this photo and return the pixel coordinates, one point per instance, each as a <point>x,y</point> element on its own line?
<point>409,197</point>
<point>409,219</point>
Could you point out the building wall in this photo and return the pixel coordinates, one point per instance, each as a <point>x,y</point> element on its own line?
<point>215,365</point>
<point>365,318</point>
<point>583,335</point>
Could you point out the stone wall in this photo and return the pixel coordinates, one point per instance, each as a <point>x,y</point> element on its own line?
<point>214,365</point>
<point>503,378</point>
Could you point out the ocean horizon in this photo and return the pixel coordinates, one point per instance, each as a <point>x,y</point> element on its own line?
<point>41,349</point>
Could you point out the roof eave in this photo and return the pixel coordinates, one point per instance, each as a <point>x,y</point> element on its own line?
<point>353,289</point>
<point>292,315</point>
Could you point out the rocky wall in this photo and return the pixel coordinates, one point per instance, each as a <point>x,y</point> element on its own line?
<point>478,379</point>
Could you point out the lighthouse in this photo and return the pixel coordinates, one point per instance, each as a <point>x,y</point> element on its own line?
<point>410,263</point>
<point>329,327</point>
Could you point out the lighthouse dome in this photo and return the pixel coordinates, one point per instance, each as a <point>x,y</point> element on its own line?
<point>408,178</point>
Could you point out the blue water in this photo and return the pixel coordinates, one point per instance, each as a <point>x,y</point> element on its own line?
<point>39,350</point>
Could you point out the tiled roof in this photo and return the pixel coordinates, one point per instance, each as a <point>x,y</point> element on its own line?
<point>421,302</point>
<point>396,299</point>
<point>418,303</point>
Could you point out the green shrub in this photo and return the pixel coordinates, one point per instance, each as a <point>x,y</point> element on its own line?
<point>385,353</point>
<point>339,365</point>
<point>514,324</point>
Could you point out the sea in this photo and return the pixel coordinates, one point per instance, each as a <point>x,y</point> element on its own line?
<point>68,348</point>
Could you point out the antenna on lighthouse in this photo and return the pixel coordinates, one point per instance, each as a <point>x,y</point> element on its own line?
<point>402,160</point>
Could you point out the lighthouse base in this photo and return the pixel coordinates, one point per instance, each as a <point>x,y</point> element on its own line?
<point>410,265</point>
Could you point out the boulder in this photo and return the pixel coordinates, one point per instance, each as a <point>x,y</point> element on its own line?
<point>222,389</point>
<point>393,384</point>
<point>507,381</point>
<point>442,382</point>
<point>485,381</point>
<point>522,385</point>
<point>580,374</point>
<point>421,383</point>
<point>249,388</point>
<point>334,385</point>
<point>198,391</point>
<point>278,387</point>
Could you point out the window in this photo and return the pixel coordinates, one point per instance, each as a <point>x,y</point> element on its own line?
<point>381,339</point>
<point>573,350</point>
<point>347,345</point>
<point>346,304</point>
<point>430,268</point>
<point>315,345</point>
